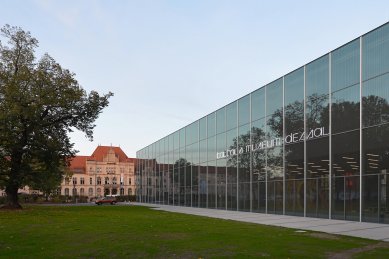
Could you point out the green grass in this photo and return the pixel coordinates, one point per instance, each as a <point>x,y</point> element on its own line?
<point>139,232</point>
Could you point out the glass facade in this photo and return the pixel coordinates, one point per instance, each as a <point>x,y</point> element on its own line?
<point>313,143</point>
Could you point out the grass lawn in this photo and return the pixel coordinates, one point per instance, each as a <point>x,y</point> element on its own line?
<point>139,232</point>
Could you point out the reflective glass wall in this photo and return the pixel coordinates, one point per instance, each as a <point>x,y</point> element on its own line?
<point>313,143</point>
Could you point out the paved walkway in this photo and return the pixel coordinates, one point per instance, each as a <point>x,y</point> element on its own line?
<point>340,227</point>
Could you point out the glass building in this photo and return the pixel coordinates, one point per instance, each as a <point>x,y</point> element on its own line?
<point>312,143</point>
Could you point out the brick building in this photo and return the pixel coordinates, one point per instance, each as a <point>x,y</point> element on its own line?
<point>108,171</point>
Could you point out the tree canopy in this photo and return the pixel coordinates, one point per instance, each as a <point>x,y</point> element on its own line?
<point>40,104</point>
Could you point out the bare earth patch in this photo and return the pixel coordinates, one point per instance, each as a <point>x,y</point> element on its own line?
<point>324,235</point>
<point>350,253</point>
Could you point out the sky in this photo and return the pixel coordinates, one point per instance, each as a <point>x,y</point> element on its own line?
<point>170,63</point>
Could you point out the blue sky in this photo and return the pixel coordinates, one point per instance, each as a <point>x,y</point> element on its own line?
<point>172,62</point>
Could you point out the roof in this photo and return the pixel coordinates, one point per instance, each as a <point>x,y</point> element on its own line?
<point>102,151</point>
<point>78,163</point>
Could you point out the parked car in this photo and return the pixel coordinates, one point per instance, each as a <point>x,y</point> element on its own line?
<point>110,200</point>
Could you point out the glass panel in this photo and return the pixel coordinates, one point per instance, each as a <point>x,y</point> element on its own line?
<point>294,102</point>
<point>375,52</point>
<point>375,184</point>
<point>274,98</point>
<point>171,146</point>
<point>294,179</point>
<point>345,171</point>
<point>375,100</point>
<point>176,140</point>
<point>244,182</point>
<point>244,110</point>
<point>182,186</point>
<point>317,190</point>
<point>231,186</point>
<point>203,128</point>
<point>195,153</point>
<point>203,188</point>
<point>232,171</point>
<point>345,66</point>
<point>221,183</point>
<point>232,143</point>
<point>182,137</point>
<point>317,90</point>
<point>212,148</point>
<point>195,186</point>
<point>231,116</point>
<point>203,151</point>
<point>258,160</point>
<point>212,184</point>
<point>211,120</point>
<point>258,104</point>
<point>275,180</point>
<point>220,121</point>
<point>189,154</point>
<point>187,185</point>
<point>244,168</point>
<point>221,142</point>
<point>243,139</point>
<point>345,109</point>
<point>192,133</point>
<point>317,78</point>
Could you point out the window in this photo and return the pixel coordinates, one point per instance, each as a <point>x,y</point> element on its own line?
<point>106,180</point>
<point>98,169</point>
<point>74,191</point>
<point>67,180</point>
<point>74,180</point>
<point>114,181</point>
<point>90,192</point>
<point>98,191</point>
<point>129,181</point>
<point>110,170</point>
<point>82,180</point>
<point>129,191</point>
<point>67,191</point>
<point>82,192</point>
<point>98,180</point>
<point>121,191</point>
<point>90,180</point>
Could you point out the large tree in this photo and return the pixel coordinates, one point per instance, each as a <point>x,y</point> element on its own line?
<point>40,103</point>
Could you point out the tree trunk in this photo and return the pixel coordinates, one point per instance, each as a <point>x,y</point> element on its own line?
<point>12,201</point>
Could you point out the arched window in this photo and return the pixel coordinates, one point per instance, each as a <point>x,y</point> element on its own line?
<point>129,191</point>
<point>121,191</point>
<point>82,192</point>
<point>98,180</point>
<point>106,180</point>
<point>114,191</point>
<point>74,191</point>
<point>90,192</point>
<point>114,180</point>
<point>98,191</point>
<point>67,191</point>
